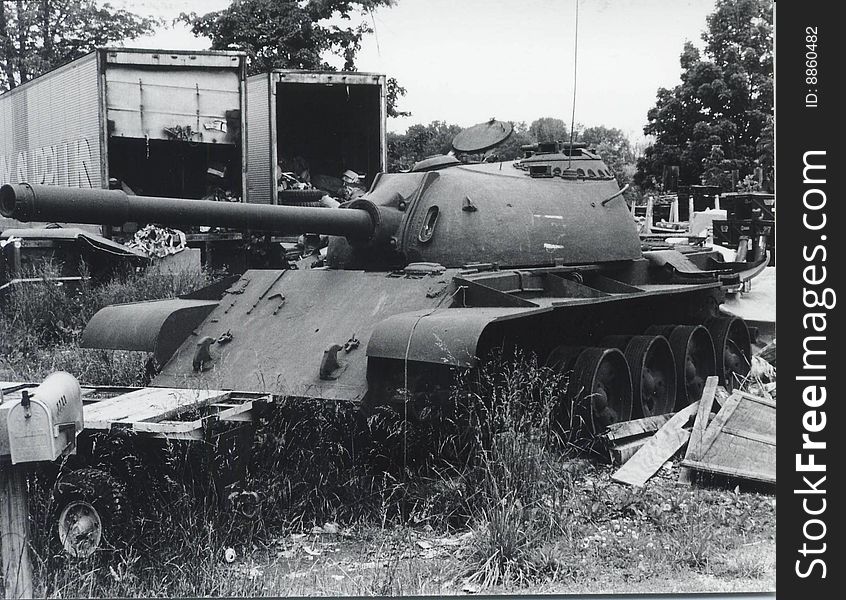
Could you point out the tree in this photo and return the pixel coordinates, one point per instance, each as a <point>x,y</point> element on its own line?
<point>512,148</point>
<point>37,36</point>
<point>291,34</point>
<point>724,99</point>
<point>614,148</point>
<point>549,129</point>
<point>419,142</point>
<point>393,93</point>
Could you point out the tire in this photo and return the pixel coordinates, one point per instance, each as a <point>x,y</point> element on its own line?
<point>299,196</point>
<point>306,204</point>
<point>91,512</point>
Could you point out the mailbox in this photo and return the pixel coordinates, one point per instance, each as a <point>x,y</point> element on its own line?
<point>43,425</point>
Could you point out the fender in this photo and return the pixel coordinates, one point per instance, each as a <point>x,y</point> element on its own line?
<point>446,336</point>
<point>159,327</point>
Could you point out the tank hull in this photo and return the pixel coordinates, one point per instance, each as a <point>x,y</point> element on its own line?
<point>280,326</point>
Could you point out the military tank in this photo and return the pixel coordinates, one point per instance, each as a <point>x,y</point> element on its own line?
<point>428,273</point>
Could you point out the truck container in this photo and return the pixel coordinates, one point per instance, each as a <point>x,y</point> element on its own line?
<point>323,122</point>
<point>156,122</point>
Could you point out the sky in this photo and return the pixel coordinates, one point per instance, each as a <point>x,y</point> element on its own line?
<point>465,61</point>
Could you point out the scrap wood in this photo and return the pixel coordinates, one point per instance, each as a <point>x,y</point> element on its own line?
<point>768,353</point>
<point>623,451</point>
<point>625,438</point>
<point>697,434</point>
<point>636,427</point>
<point>657,450</point>
<point>740,442</point>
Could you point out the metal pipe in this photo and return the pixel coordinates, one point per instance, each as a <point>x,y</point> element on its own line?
<point>29,202</point>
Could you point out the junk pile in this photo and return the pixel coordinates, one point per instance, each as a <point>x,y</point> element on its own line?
<point>157,242</point>
<point>721,434</point>
<point>296,185</point>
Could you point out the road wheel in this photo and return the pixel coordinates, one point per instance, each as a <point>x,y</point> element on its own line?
<point>90,505</point>
<point>733,349</point>
<point>601,377</point>
<point>693,352</point>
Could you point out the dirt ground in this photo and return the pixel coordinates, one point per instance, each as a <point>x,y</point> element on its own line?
<point>624,554</point>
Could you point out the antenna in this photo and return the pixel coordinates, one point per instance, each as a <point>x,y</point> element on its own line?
<point>575,68</point>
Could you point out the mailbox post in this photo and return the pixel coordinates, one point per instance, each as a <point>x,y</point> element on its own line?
<point>14,525</point>
<point>34,428</point>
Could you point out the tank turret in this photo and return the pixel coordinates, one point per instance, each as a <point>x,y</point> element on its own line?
<point>453,216</point>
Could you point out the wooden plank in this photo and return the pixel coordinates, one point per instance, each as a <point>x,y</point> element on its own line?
<point>147,404</point>
<point>635,427</point>
<point>706,402</point>
<point>620,453</point>
<point>657,450</point>
<point>716,425</point>
<point>750,435</point>
<point>732,453</point>
<point>701,422</point>
<point>733,472</point>
<point>751,416</point>
<point>14,528</point>
<point>758,399</point>
<point>740,442</point>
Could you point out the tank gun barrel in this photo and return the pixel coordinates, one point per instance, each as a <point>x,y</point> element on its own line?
<point>30,202</point>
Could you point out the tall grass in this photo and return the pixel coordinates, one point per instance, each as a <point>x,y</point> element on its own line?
<point>41,324</point>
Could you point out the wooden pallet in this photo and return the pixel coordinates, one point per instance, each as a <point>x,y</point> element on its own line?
<point>158,412</point>
<point>740,442</point>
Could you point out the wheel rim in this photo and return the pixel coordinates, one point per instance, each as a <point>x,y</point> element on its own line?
<point>733,348</point>
<point>653,371</point>
<point>602,376</point>
<point>80,529</point>
<point>694,355</point>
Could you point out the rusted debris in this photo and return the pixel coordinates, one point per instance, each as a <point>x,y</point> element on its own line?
<point>768,353</point>
<point>655,452</point>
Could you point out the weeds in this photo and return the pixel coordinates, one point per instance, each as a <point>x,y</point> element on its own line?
<point>41,324</point>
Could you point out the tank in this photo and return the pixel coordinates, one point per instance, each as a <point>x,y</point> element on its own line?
<point>428,274</point>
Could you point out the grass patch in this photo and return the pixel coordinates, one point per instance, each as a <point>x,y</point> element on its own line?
<point>41,324</point>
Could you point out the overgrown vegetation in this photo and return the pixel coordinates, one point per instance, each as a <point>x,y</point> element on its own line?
<point>41,324</point>
<point>488,463</point>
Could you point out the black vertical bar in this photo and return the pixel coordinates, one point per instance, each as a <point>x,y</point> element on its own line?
<point>809,182</point>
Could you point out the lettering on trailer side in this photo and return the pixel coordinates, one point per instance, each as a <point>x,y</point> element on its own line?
<point>67,163</point>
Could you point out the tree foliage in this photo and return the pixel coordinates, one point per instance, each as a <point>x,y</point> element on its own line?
<point>36,36</point>
<point>288,34</point>
<point>291,34</point>
<point>393,93</point>
<point>614,148</point>
<point>549,129</point>
<point>422,141</point>
<point>419,142</point>
<point>720,117</point>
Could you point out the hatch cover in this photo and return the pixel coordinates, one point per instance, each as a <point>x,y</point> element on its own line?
<point>483,136</point>
<point>433,163</point>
